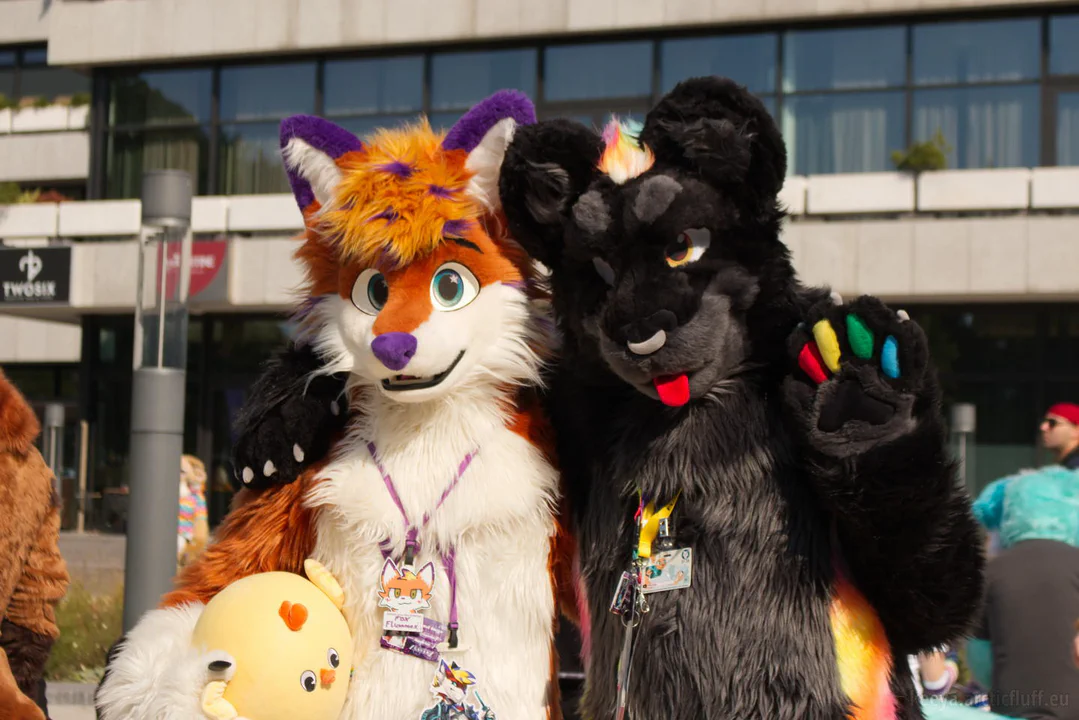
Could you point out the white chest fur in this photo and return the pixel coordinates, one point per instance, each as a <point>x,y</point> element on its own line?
<point>499,519</point>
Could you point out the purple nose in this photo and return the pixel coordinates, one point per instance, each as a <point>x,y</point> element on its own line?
<point>394,349</point>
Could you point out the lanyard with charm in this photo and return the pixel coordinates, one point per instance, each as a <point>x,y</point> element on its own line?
<point>406,593</point>
<point>654,567</point>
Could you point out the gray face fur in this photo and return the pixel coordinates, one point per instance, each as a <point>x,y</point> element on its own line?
<point>708,348</point>
<point>654,197</point>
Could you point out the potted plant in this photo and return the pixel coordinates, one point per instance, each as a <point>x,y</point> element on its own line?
<point>931,154</point>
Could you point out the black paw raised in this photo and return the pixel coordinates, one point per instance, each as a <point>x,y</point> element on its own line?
<point>289,421</point>
<point>861,374</point>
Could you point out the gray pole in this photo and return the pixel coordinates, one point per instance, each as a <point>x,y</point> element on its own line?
<point>157,397</point>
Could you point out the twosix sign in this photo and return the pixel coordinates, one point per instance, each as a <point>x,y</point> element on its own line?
<point>35,275</point>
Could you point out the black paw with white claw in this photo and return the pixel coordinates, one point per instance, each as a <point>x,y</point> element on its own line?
<point>278,444</point>
<point>861,375</point>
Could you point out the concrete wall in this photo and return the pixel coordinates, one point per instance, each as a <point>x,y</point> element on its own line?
<point>38,341</point>
<point>34,157</point>
<point>125,31</point>
<point>24,21</point>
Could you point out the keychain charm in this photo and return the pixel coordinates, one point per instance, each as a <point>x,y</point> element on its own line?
<point>450,688</point>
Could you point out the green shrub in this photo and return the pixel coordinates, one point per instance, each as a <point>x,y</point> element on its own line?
<point>931,154</point>
<point>42,101</point>
<point>89,625</point>
<point>9,193</point>
<point>80,99</point>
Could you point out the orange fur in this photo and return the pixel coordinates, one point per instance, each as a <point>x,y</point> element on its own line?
<point>406,582</point>
<point>366,190</point>
<point>264,532</point>
<point>18,423</point>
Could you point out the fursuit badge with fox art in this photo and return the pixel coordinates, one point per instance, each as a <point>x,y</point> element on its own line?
<point>406,594</point>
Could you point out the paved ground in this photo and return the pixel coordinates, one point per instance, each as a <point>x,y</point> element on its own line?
<point>70,701</point>
<point>95,560</point>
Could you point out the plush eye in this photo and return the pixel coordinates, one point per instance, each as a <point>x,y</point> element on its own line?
<point>689,247</point>
<point>453,287</point>
<point>309,681</point>
<point>604,270</point>
<point>333,658</point>
<point>370,292</point>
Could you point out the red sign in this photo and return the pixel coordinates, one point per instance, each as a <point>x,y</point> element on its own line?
<point>207,259</point>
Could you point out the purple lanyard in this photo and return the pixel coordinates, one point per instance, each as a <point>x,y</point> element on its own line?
<point>412,543</point>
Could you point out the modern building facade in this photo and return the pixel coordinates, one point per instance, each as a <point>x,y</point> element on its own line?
<point>983,252</point>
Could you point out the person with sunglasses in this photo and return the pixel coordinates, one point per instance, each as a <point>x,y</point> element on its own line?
<point>1028,632</point>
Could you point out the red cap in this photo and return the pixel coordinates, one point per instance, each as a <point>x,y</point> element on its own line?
<point>1068,411</point>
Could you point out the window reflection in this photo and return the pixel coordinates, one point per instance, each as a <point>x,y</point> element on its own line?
<point>374,86</point>
<point>251,160</point>
<point>174,96</point>
<point>848,132</point>
<point>1068,129</point>
<point>258,92</point>
<point>53,83</point>
<point>600,70</point>
<point>860,58</point>
<point>364,125</point>
<point>131,153</point>
<point>746,59</point>
<point>459,80</point>
<point>990,51</point>
<point>1064,45</point>
<point>984,127</point>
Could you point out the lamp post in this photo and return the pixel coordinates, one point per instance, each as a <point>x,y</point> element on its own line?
<point>964,425</point>
<point>157,395</point>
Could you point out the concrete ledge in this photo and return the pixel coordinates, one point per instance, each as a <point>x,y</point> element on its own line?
<point>24,21</point>
<point>248,213</point>
<point>103,217</point>
<point>1056,187</point>
<point>28,221</point>
<point>944,190</point>
<point>860,193</point>
<point>29,157</point>
<point>39,341</point>
<point>793,194</point>
<point>209,214</point>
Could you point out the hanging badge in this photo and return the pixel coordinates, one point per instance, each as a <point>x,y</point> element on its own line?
<point>450,688</point>
<point>668,570</point>
<point>406,594</point>
<point>622,602</point>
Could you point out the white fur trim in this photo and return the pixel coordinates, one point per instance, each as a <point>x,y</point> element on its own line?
<point>314,166</point>
<point>157,674</point>
<point>486,162</point>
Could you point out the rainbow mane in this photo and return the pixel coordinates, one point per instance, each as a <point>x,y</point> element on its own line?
<point>623,156</point>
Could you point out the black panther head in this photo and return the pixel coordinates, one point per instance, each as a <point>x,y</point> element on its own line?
<point>664,250</point>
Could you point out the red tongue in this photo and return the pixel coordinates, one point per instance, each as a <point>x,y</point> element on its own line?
<point>673,389</point>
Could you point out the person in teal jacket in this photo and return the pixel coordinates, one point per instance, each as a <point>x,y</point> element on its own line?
<point>1040,504</point>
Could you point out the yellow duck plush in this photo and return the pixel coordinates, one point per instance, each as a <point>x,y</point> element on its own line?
<point>281,648</point>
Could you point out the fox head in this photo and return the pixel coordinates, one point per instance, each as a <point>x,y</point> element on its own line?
<point>403,590</point>
<point>413,286</point>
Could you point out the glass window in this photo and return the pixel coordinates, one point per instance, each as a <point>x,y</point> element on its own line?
<point>1064,45</point>
<point>133,152</point>
<point>1068,128</point>
<point>599,70</point>
<point>459,80</point>
<point>373,86</point>
<point>1004,441</point>
<point>53,83</point>
<point>366,124</point>
<point>261,92</point>
<point>7,85</point>
<point>747,59</point>
<point>444,120</point>
<point>969,52</point>
<point>7,58</point>
<point>844,59</point>
<point>985,127</point>
<point>844,132</point>
<point>169,97</point>
<point>250,161</point>
<point>35,56</point>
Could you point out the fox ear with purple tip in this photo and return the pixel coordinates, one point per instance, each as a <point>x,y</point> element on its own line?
<point>310,146</point>
<point>484,132</point>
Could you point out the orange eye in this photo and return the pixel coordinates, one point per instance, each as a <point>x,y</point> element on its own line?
<point>689,247</point>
